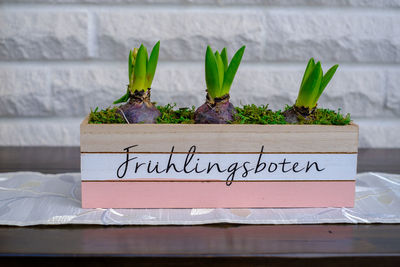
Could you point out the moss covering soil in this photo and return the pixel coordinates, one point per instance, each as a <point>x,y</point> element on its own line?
<point>247,114</point>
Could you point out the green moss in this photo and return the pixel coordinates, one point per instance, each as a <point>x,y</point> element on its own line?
<point>252,114</point>
<point>168,115</point>
<point>175,116</point>
<point>108,115</point>
<point>248,114</point>
<point>327,117</point>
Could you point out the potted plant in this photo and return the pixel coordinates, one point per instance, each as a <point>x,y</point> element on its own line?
<point>312,86</point>
<point>219,78</point>
<point>141,70</point>
<point>238,157</point>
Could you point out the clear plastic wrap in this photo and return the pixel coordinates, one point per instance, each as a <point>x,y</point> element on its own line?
<point>29,198</point>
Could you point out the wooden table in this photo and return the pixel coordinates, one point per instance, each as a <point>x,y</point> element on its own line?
<point>222,244</point>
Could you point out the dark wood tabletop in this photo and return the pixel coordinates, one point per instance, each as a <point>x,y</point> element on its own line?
<point>220,244</point>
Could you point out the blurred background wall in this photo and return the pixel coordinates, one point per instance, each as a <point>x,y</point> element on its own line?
<point>59,58</point>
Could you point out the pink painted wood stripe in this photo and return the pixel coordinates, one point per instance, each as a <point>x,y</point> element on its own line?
<point>217,195</point>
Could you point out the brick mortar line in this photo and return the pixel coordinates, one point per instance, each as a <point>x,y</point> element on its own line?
<point>276,64</point>
<point>45,7</point>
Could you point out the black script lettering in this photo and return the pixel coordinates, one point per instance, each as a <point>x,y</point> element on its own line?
<point>125,164</point>
<point>316,166</point>
<point>272,164</point>
<point>295,166</point>
<point>189,158</point>
<point>232,171</point>
<point>246,170</point>
<point>259,163</point>
<point>154,169</point>
<point>138,165</point>
<point>197,166</point>
<point>172,165</point>
<point>210,167</point>
<point>283,163</point>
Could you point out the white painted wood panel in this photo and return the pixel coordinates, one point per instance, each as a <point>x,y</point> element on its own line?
<point>282,167</point>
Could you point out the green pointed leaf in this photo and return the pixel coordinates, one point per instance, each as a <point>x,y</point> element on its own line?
<point>326,79</point>
<point>152,64</point>
<point>139,72</point>
<point>224,56</point>
<point>221,71</point>
<point>310,89</point>
<point>146,56</point>
<point>134,55</point>
<point>231,71</point>
<point>130,66</point>
<point>211,71</point>
<point>307,72</point>
<point>123,99</point>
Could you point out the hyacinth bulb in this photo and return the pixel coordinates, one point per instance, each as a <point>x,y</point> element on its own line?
<point>312,86</point>
<point>141,71</point>
<point>139,109</point>
<point>219,77</point>
<point>219,112</point>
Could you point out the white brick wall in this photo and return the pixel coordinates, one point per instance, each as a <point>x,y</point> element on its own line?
<point>59,58</point>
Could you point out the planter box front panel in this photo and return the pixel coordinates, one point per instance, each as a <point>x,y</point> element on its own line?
<point>209,166</point>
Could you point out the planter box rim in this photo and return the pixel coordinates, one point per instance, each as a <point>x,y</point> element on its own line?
<point>86,123</point>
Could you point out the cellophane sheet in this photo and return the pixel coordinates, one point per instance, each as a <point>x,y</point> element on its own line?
<point>31,198</point>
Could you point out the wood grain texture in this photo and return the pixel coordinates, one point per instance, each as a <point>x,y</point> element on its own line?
<point>286,241</point>
<point>219,138</point>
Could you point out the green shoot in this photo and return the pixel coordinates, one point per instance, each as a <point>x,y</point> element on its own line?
<point>141,70</point>
<point>220,75</point>
<point>152,65</point>
<point>212,77</point>
<point>313,84</point>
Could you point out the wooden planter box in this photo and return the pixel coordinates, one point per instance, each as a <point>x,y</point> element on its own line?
<point>217,166</point>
